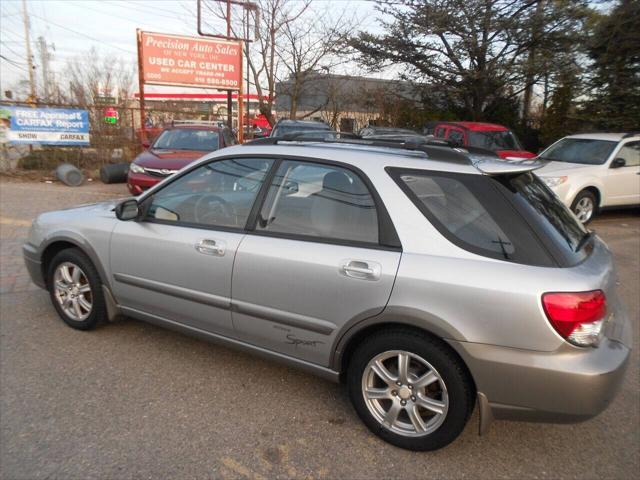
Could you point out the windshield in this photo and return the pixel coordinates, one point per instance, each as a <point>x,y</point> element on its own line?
<point>187,139</point>
<point>281,130</point>
<point>579,150</point>
<point>504,140</point>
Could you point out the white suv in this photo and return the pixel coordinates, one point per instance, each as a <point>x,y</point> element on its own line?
<point>593,171</point>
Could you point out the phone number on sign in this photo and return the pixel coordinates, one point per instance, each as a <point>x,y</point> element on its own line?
<point>217,81</point>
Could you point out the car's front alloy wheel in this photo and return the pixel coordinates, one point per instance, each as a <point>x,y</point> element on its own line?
<point>584,206</point>
<point>72,291</point>
<point>75,289</point>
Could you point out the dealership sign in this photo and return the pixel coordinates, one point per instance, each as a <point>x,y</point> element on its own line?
<point>190,61</point>
<point>45,126</point>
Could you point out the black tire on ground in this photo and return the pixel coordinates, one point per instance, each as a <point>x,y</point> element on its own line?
<point>460,388</point>
<point>579,203</point>
<point>98,312</point>
<point>116,173</point>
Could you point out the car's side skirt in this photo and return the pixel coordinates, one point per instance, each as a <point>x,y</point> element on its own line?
<point>318,370</point>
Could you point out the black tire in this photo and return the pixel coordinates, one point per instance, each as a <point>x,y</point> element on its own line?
<point>98,311</point>
<point>460,389</point>
<point>116,173</point>
<point>585,196</point>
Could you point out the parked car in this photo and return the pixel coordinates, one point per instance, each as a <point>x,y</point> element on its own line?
<point>427,280</point>
<point>593,171</point>
<point>373,130</point>
<point>286,126</point>
<point>174,148</point>
<point>489,136</point>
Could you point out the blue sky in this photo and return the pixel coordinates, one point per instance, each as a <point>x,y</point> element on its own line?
<point>74,26</point>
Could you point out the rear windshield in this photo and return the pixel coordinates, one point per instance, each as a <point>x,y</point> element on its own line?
<point>579,150</point>
<point>514,218</point>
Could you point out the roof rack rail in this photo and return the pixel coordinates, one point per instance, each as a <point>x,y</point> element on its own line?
<point>630,134</point>
<point>434,147</point>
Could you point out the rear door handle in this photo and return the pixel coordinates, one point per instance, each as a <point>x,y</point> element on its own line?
<point>361,269</point>
<point>211,247</point>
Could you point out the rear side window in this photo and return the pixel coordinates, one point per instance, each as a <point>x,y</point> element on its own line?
<point>512,217</point>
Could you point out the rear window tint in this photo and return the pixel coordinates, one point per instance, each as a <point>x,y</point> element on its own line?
<point>513,217</point>
<point>472,213</point>
<point>558,226</point>
<point>460,212</point>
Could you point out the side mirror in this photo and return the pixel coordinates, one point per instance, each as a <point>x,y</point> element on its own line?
<point>146,144</point>
<point>618,162</point>
<point>128,210</point>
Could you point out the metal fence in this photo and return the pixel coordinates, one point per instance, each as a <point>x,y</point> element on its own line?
<point>112,141</point>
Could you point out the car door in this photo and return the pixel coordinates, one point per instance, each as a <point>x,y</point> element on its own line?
<point>176,262</point>
<point>623,182</point>
<point>314,261</point>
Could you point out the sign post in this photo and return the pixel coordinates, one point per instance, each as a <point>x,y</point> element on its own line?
<point>141,87</point>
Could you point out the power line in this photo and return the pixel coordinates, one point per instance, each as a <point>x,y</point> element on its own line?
<point>84,34</point>
<point>13,63</point>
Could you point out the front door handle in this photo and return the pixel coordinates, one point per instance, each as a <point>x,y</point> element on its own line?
<point>361,269</point>
<point>211,247</point>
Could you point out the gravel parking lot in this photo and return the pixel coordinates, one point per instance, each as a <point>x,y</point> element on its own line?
<point>130,400</point>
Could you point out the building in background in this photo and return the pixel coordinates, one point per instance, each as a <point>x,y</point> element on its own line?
<point>347,103</point>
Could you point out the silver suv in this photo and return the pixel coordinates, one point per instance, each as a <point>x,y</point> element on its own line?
<point>426,278</point>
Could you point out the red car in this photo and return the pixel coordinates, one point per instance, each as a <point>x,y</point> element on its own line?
<point>173,149</point>
<point>489,136</point>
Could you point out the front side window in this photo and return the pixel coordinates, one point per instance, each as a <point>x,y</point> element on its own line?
<point>321,201</point>
<point>579,150</point>
<point>218,194</point>
<point>630,152</point>
<point>187,139</point>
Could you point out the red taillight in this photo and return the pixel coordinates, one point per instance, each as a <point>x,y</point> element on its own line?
<point>576,316</point>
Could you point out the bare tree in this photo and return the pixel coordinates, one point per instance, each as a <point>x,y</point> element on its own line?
<point>264,60</point>
<point>308,46</point>
<point>91,75</point>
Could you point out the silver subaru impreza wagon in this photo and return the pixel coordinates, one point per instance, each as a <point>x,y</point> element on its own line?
<point>426,278</point>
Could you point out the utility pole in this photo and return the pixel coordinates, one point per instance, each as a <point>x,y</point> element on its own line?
<point>45,56</point>
<point>27,39</point>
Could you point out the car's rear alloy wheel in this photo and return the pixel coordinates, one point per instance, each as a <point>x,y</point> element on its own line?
<point>72,291</point>
<point>405,393</point>
<point>76,290</point>
<point>410,388</point>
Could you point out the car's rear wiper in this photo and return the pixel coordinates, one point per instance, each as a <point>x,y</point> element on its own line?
<point>584,240</point>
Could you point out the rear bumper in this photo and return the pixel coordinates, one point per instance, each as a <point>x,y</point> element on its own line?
<point>570,385</point>
<point>139,182</point>
<point>33,264</point>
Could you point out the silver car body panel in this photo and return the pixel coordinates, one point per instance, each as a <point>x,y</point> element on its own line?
<point>289,300</point>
